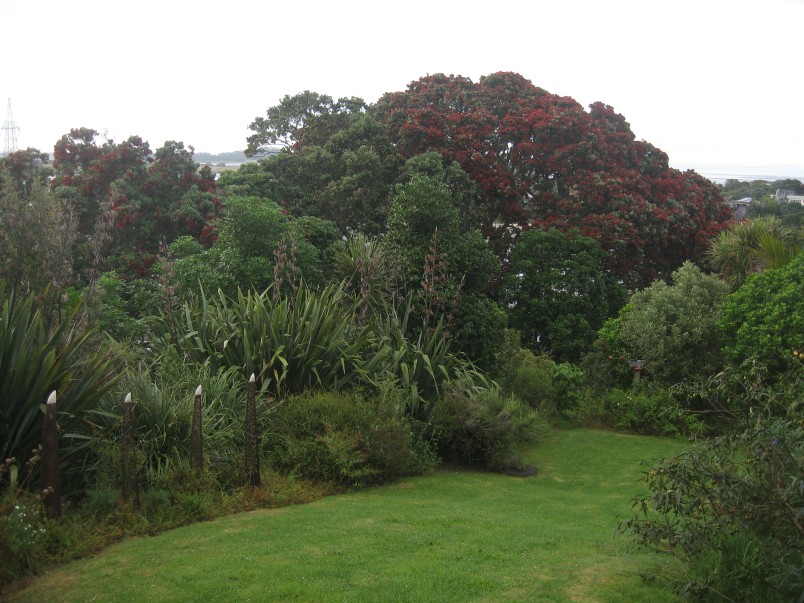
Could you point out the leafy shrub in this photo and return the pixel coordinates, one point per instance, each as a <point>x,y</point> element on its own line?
<point>605,365</point>
<point>731,508</point>
<point>482,427</point>
<point>765,318</point>
<point>533,380</point>
<point>638,410</point>
<point>23,536</point>
<point>737,393</point>
<point>193,506</point>
<point>567,387</point>
<point>343,437</point>
<point>673,328</point>
<point>157,504</point>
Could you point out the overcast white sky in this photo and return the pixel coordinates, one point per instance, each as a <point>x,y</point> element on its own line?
<point>717,84</point>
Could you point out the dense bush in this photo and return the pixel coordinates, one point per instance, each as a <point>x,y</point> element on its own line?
<point>296,342</point>
<point>737,393</point>
<point>731,507</point>
<point>638,410</point>
<point>344,437</point>
<point>605,364</point>
<point>673,328</point>
<point>483,427</point>
<point>567,388</point>
<point>558,293</point>
<point>765,318</point>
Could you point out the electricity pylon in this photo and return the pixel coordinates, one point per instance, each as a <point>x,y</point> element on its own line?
<point>11,130</point>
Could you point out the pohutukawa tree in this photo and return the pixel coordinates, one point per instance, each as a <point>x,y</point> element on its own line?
<point>541,160</point>
<point>152,197</point>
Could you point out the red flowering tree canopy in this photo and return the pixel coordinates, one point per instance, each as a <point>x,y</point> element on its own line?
<point>540,161</point>
<point>152,197</point>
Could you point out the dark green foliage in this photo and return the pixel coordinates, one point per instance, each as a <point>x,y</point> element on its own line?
<point>731,508</point>
<point>557,292</point>
<point>126,305</point>
<point>343,437</point>
<point>528,377</point>
<point>101,501</point>
<point>250,232</point>
<point>483,428</point>
<point>449,268</point>
<point>478,329</point>
<point>765,318</point>
<point>338,163</point>
<point>249,180</point>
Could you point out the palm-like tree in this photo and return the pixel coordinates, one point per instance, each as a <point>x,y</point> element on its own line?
<point>752,246</point>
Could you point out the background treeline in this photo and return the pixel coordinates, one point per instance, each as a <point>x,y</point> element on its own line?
<point>432,277</point>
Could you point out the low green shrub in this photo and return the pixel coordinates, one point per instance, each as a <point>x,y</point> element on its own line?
<point>100,502</point>
<point>23,536</point>
<point>737,393</point>
<point>343,437</point>
<point>483,427</point>
<point>638,410</point>
<point>157,505</point>
<point>533,381</point>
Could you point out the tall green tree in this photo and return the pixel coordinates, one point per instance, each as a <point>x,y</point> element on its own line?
<point>337,163</point>
<point>304,119</point>
<point>557,292</point>
<point>36,238</point>
<point>447,267</point>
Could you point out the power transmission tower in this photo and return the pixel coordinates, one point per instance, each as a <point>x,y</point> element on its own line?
<point>11,130</point>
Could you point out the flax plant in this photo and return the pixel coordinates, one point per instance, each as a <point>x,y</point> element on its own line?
<point>35,361</point>
<point>290,345</point>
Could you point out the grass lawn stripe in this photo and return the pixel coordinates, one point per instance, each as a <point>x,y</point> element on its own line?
<point>449,536</point>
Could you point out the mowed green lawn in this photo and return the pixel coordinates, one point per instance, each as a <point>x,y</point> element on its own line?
<point>450,536</point>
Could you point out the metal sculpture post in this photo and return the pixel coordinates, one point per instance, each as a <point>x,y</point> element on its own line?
<point>638,366</point>
<point>51,493</point>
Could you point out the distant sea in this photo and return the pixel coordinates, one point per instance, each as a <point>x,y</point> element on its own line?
<point>769,173</point>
